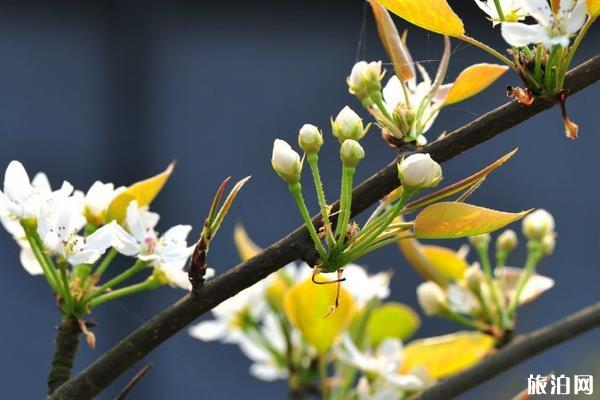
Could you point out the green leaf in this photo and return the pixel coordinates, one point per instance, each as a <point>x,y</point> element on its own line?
<point>450,220</point>
<point>392,320</point>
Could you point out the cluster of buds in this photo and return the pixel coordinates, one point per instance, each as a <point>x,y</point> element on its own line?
<point>482,296</point>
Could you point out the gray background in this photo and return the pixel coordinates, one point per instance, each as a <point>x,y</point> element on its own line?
<point>115,90</point>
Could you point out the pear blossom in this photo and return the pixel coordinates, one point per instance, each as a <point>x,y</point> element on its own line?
<point>461,300</point>
<point>535,286</point>
<point>59,224</point>
<point>364,287</point>
<point>538,224</point>
<point>348,125</point>
<point>351,152</point>
<point>551,28</point>
<point>310,139</point>
<point>285,161</point>
<point>168,252</point>
<point>384,362</point>
<point>98,198</point>
<point>431,298</point>
<point>507,241</point>
<point>512,10</point>
<point>419,171</point>
<point>365,78</point>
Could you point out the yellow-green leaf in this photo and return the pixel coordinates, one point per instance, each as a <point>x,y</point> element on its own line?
<point>414,254</point>
<point>450,220</point>
<point>442,356</point>
<point>392,43</point>
<point>446,261</point>
<point>433,15</point>
<point>473,80</point>
<point>143,191</point>
<point>392,320</point>
<point>306,306</point>
<point>245,246</point>
<point>593,7</point>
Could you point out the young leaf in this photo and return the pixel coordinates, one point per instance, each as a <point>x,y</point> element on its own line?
<point>442,356</point>
<point>143,191</point>
<point>306,306</point>
<point>446,261</point>
<point>392,43</point>
<point>450,220</point>
<point>433,15</point>
<point>415,255</point>
<point>392,320</point>
<point>218,219</point>
<point>245,246</point>
<point>473,80</point>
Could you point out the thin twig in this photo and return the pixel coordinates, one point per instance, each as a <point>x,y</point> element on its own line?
<point>521,349</point>
<point>134,381</point>
<point>296,245</point>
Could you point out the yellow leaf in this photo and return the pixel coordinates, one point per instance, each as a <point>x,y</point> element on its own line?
<point>245,246</point>
<point>473,80</point>
<point>445,355</point>
<point>143,191</point>
<point>392,320</point>
<point>392,43</point>
<point>450,220</point>
<point>446,261</point>
<point>433,15</point>
<point>306,306</point>
<point>593,7</point>
<point>414,254</point>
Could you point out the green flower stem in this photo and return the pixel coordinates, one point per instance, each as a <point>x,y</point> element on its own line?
<point>112,253</point>
<point>354,254</point>
<point>501,257</point>
<point>296,190</point>
<point>313,161</point>
<point>538,62</point>
<point>148,284</point>
<point>534,255</point>
<point>128,273</point>
<point>345,205</point>
<point>484,306</point>
<point>499,9</point>
<point>44,261</point>
<point>461,319</point>
<point>378,100</point>
<point>68,297</point>
<point>573,49</point>
<point>482,251</point>
<point>488,50</point>
<point>548,75</point>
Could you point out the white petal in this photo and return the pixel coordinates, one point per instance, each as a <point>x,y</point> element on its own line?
<point>16,182</point>
<point>267,372</point>
<point>406,382</point>
<point>102,238</point>
<point>135,221</point>
<point>208,331</point>
<point>41,183</point>
<point>178,278</point>
<point>85,257</point>
<point>393,93</point>
<point>518,34</point>
<point>442,93</point>
<point>539,9</point>
<point>178,232</point>
<point>577,18</point>
<point>29,262</point>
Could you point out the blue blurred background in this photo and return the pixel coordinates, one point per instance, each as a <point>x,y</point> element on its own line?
<point>115,90</point>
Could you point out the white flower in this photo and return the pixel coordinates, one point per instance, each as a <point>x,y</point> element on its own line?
<point>23,199</point>
<point>384,362</point>
<point>419,171</point>
<point>551,28</point>
<point>168,252</point>
<point>347,125</point>
<point>513,10</point>
<point>310,139</point>
<point>59,224</point>
<point>364,287</point>
<point>365,78</point>
<point>232,316</point>
<point>351,152</point>
<point>98,198</point>
<point>461,300</point>
<point>538,224</point>
<point>535,286</point>
<point>431,298</point>
<point>286,162</point>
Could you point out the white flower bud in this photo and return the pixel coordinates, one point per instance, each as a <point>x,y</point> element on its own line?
<point>310,139</point>
<point>548,244</point>
<point>482,240</point>
<point>419,171</point>
<point>365,78</point>
<point>347,125</point>
<point>431,298</point>
<point>286,162</point>
<point>507,241</point>
<point>351,152</point>
<point>474,277</point>
<point>538,224</point>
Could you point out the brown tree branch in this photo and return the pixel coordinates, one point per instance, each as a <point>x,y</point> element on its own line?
<point>134,381</point>
<point>519,350</point>
<point>296,245</point>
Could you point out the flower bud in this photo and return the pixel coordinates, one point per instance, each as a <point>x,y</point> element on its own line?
<point>347,125</point>
<point>351,153</point>
<point>482,240</point>
<point>364,79</point>
<point>310,139</point>
<point>431,298</point>
<point>538,224</point>
<point>419,171</point>
<point>474,277</point>
<point>548,244</point>
<point>286,162</point>
<point>404,117</point>
<point>507,241</point>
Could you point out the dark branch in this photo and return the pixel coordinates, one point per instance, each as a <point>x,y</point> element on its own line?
<point>296,245</point>
<point>518,351</point>
<point>134,381</point>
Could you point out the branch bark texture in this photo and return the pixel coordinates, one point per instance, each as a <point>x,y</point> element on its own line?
<point>66,343</point>
<point>296,245</point>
